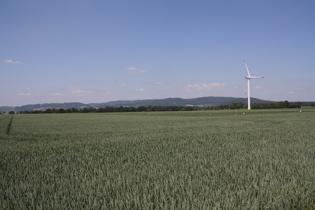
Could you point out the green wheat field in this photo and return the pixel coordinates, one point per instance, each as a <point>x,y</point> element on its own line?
<point>262,159</point>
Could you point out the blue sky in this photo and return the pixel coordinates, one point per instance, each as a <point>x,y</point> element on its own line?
<point>105,50</point>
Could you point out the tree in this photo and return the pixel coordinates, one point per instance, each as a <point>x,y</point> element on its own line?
<point>61,110</point>
<point>48,111</point>
<point>108,109</point>
<point>85,110</point>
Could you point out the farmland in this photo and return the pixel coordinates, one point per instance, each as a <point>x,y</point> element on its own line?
<point>159,160</point>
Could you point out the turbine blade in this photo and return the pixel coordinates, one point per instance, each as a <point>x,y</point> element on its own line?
<point>247,68</point>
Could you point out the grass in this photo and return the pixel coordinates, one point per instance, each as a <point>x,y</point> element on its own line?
<point>159,160</point>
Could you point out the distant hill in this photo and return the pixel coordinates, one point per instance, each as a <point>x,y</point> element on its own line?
<point>211,100</point>
<point>39,107</point>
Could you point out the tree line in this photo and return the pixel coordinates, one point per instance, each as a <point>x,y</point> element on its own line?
<point>112,109</point>
<point>275,105</point>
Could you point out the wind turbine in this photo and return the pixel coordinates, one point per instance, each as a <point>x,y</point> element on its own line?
<point>248,84</point>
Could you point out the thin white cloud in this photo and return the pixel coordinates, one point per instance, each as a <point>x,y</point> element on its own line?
<point>159,83</point>
<point>56,94</point>
<point>134,70</point>
<point>79,91</point>
<point>258,87</point>
<point>131,68</point>
<point>290,92</point>
<point>25,94</point>
<point>140,90</point>
<point>168,83</point>
<point>141,71</point>
<point>11,61</point>
<point>202,87</point>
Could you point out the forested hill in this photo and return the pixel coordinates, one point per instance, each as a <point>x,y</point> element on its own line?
<point>211,100</point>
<point>206,101</point>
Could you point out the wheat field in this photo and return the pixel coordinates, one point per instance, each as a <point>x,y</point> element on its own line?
<point>159,160</point>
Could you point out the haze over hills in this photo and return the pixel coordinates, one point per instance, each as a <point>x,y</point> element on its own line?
<point>211,100</point>
<point>181,102</point>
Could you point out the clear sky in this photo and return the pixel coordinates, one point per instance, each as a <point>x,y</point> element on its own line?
<point>103,50</point>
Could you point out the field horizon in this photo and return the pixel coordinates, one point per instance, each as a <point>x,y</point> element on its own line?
<point>213,100</point>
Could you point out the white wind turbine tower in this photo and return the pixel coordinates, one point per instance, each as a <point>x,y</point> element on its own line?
<point>248,84</point>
